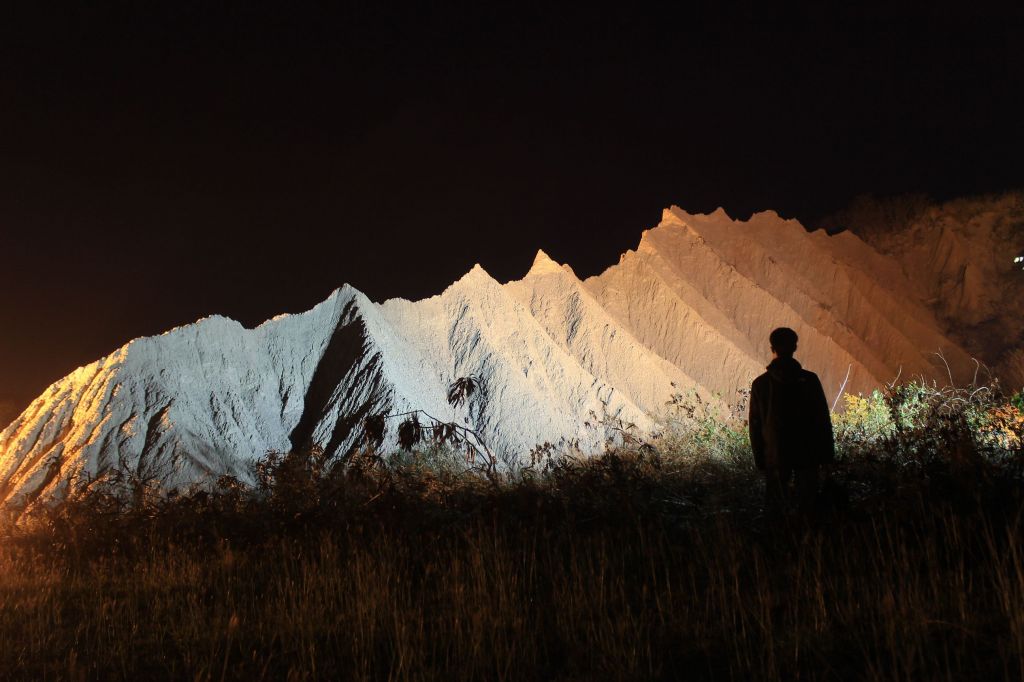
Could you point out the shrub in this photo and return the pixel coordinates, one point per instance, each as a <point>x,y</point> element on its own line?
<point>693,427</point>
<point>864,424</point>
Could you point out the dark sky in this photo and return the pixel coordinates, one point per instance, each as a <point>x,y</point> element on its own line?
<point>161,165</point>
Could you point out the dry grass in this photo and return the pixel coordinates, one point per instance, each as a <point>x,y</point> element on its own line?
<point>634,565</point>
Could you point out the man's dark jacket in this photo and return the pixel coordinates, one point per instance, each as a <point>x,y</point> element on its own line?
<point>790,424</point>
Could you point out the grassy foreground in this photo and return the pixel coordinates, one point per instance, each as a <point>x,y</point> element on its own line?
<point>642,563</point>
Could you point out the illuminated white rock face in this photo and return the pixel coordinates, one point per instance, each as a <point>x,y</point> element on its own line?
<point>690,309</point>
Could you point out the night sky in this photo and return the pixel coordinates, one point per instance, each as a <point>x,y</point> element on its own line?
<point>159,166</point>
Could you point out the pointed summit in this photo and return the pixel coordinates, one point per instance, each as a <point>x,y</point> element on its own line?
<point>543,264</point>
<point>476,273</point>
<point>475,278</point>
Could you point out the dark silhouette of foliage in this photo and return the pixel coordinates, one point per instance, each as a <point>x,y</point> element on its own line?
<point>410,432</point>
<point>462,390</point>
<point>373,430</point>
<point>417,427</point>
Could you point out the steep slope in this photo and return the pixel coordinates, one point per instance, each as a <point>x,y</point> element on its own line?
<point>199,400</point>
<point>577,322</point>
<point>859,323</point>
<point>535,390</point>
<point>689,310</point>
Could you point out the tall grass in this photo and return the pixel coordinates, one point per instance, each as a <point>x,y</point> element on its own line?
<point>649,561</point>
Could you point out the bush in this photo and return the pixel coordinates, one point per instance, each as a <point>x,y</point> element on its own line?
<point>864,425</point>
<point>692,427</point>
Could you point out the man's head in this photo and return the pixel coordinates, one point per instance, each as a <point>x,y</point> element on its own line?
<point>783,341</point>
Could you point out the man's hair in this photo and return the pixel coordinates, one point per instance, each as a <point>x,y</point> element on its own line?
<point>783,341</point>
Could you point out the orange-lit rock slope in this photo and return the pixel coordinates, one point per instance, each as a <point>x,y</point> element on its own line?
<point>689,309</point>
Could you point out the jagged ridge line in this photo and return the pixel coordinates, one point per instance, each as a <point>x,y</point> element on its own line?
<point>762,292</point>
<point>683,302</point>
<point>580,288</point>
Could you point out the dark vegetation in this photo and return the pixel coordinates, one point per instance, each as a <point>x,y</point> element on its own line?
<point>649,561</point>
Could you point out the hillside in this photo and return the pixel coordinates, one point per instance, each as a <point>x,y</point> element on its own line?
<point>690,309</point>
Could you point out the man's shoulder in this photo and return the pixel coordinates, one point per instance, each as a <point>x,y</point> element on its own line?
<point>812,382</point>
<point>808,375</point>
<point>760,381</point>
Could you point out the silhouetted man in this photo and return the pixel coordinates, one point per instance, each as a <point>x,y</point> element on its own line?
<point>790,426</point>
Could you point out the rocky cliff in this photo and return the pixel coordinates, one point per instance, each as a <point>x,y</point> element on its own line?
<point>689,310</point>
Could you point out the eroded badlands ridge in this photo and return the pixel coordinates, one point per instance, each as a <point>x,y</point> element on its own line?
<point>689,309</point>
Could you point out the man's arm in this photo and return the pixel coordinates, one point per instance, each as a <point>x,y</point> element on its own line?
<point>823,421</point>
<point>754,422</point>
